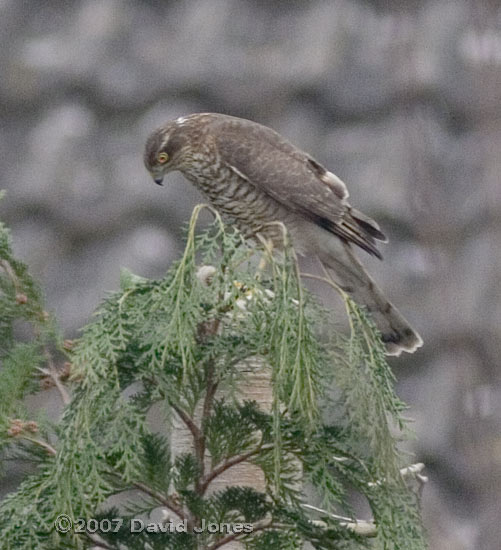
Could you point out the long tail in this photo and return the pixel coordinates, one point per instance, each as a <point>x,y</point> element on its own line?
<point>350,274</point>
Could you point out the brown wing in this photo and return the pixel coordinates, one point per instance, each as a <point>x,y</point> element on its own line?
<point>293,178</point>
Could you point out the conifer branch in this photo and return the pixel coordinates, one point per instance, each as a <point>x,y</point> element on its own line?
<point>185,338</point>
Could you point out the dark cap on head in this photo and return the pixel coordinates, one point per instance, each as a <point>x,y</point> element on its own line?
<point>168,139</point>
<point>152,147</point>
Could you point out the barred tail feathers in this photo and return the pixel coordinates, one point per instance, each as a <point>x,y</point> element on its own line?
<point>396,332</point>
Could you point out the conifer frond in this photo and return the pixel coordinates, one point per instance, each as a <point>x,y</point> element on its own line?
<point>177,345</point>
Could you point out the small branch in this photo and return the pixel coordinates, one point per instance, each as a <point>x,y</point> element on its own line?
<point>416,468</point>
<point>98,541</point>
<point>231,537</point>
<point>327,280</point>
<point>362,527</point>
<point>166,501</point>
<point>162,499</point>
<point>367,528</point>
<point>51,371</point>
<point>12,275</point>
<point>188,421</point>
<point>210,393</point>
<point>341,459</point>
<point>218,470</point>
<point>413,469</point>
<point>47,446</point>
<point>53,374</point>
<point>210,328</point>
<point>199,442</point>
<point>330,514</point>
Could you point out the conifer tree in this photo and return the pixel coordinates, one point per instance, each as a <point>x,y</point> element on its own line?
<point>177,345</point>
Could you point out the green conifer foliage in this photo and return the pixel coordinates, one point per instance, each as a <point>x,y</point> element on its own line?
<point>172,343</point>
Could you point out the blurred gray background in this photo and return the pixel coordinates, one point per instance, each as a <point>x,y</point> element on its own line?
<point>401,99</point>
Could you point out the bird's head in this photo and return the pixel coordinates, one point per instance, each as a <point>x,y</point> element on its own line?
<point>165,149</point>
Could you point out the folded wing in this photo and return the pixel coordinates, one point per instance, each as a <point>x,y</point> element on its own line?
<point>293,178</point>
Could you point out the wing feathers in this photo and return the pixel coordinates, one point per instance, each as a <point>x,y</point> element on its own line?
<point>369,225</point>
<point>337,185</point>
<point>350,231</point>
<point>262,157</point>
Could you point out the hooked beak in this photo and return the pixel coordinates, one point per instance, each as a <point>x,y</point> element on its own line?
<point>158,180</point>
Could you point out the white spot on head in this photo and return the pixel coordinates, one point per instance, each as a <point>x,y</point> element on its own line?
<point>181,120</point>
<point>165,141</point>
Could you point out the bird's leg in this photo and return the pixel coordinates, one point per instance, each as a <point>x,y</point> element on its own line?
<point>267,254</point>
<point>329,280</point>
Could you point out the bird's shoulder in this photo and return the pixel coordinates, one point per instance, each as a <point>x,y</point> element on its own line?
<point>256,146</point>
<point>244,132</point>
<point>293,177</point>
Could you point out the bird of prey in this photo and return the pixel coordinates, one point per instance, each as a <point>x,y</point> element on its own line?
<point>253,176</point>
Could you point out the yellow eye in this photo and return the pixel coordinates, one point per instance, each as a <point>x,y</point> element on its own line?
<point>162,158</point>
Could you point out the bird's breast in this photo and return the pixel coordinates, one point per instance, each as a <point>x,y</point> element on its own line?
<point>241,202</point>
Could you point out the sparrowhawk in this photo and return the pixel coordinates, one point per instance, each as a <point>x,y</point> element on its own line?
<point>253,176</point>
